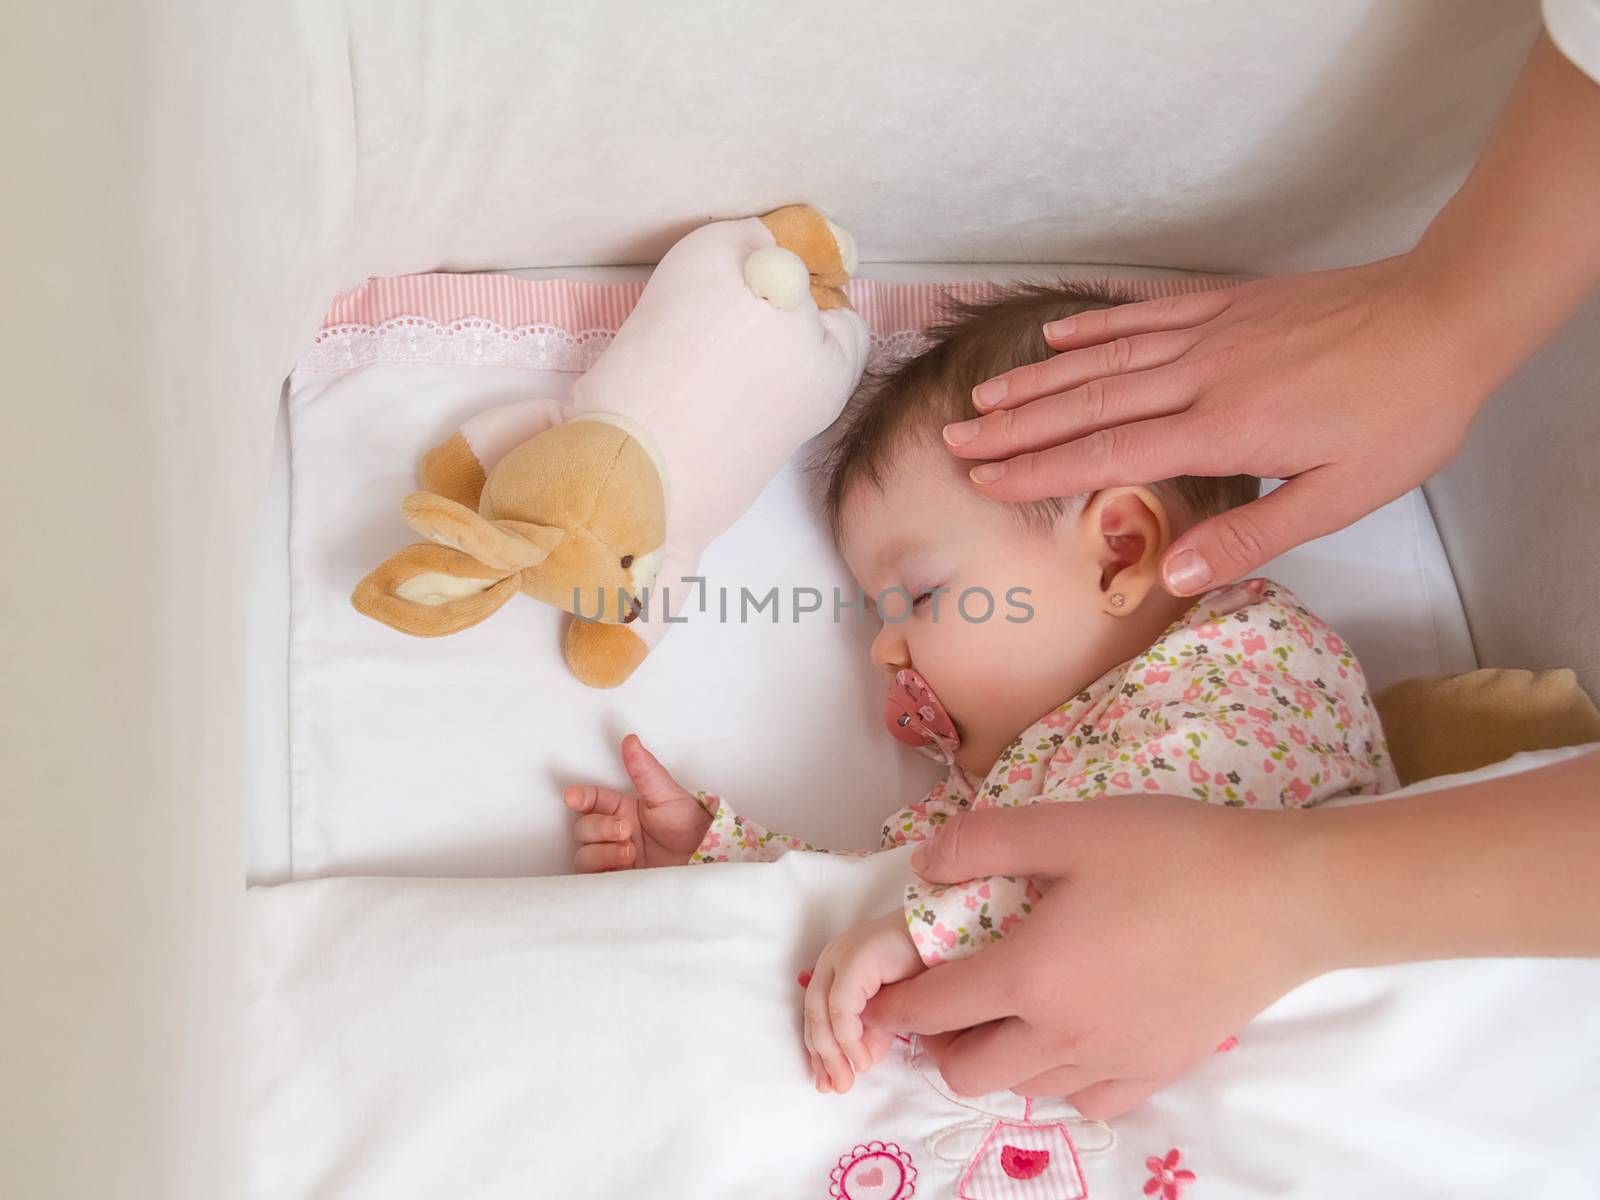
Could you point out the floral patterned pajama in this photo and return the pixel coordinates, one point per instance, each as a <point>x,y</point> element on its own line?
<point>1246,700</point>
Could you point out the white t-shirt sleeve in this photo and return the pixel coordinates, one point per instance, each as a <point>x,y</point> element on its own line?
<point>1574,27</point>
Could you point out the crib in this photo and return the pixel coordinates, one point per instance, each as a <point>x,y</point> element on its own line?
<point>210,203</point>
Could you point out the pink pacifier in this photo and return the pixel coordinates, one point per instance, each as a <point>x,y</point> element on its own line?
<point>913,715</point>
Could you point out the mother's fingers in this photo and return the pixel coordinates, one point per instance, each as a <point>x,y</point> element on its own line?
<point>1107,1099</point>
<point>958,995</point>
<point>1235,543</point>
<point>991,1057</point>
<point>1162,448</point>
<point>1120,356</point>
<point>1054,419</point>
<point>1130,320</point>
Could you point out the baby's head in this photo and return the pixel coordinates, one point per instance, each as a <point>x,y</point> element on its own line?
<point>1042,598</point>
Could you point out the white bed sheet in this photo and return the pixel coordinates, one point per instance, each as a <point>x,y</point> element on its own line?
<point>446,757</point>
<point>638,1036</point>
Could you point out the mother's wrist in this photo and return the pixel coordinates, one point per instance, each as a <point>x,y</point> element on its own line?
<point>1325,901</point>
<point>1460,312</point>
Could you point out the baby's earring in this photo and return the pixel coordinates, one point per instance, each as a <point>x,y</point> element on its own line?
<point>1118,599</point>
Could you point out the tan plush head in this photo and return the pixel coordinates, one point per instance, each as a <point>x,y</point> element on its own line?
<point>597,484</point>
<point>574,517</point>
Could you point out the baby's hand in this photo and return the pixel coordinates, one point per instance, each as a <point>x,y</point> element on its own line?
<point>660,827</point>
<point>849,973</point>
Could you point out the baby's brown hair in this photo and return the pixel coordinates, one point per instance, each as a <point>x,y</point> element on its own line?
<point>975,341</point>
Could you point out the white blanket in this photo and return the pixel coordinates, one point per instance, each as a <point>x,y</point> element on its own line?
<point>639,1036</point>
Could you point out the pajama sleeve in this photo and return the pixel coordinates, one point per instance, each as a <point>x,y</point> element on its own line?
<point>948,921</point>
<point>732,838</point>
<point>1261,707</point>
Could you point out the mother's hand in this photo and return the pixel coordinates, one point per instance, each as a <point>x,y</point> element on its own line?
<point>1353,385</point>
<point>1168,925</point>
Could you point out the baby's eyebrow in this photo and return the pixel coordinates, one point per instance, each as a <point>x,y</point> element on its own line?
<point>900,549</point>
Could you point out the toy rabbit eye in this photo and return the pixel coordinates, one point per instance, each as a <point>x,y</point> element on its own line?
<point>627,561</point>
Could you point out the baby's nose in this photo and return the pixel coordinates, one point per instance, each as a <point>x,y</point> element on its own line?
<point>889,650</point>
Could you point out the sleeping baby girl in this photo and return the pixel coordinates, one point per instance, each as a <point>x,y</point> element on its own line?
<point>1098,682</point>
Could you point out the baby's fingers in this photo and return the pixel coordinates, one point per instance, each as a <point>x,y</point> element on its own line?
<point>596,827</point>
<point>845,1002</point>
<point>819,1032</point>
<point>587,798</point>
<point>603,856</point>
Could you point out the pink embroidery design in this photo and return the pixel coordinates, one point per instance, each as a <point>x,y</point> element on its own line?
<point>1165,1176</point>
<point>1024,1160</point>
<point>873,1171</point>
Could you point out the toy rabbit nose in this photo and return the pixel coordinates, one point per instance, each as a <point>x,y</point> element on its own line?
<point>913,715</point>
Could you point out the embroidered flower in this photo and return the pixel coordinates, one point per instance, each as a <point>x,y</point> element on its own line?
<point>878,1169</point>
<point>1166,1178</point>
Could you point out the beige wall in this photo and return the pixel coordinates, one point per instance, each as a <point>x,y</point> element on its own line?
<point>156,284</point>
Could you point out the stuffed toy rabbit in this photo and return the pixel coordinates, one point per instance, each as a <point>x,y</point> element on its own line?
<point>742,347</point>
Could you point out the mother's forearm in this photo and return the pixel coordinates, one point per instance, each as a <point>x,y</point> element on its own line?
<point>1516,249</point>
<point>1502,867</point>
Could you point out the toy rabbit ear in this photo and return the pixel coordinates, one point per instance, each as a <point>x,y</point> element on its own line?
<point>503,545</point>
<point>428,591</point>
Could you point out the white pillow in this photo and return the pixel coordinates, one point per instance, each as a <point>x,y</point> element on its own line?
<point>448,756</point>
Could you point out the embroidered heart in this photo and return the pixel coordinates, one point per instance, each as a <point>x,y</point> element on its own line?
<point>872,1177</point>
<point>1023,1164</point>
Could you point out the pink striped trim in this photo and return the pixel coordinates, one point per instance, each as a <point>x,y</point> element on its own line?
<point>577,307</point>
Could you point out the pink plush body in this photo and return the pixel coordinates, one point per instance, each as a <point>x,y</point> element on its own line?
<point>723,385</point>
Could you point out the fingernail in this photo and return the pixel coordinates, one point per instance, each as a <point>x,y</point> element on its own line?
<point>989,394</point>
<point>1060,329</point>
<point>1187,573</point>
<point>987,473</point>
<point>618,830</point>
<point>961,432</point>
<point>919,859</point>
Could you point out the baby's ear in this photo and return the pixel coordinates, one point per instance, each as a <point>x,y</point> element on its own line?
<point>503,545</point>
<point>428,591</point>
<point>1128,529</point>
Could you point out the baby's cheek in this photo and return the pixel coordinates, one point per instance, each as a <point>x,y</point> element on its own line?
<point>971,676</point>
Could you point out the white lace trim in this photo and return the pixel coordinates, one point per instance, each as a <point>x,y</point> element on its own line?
<point>477,341</point>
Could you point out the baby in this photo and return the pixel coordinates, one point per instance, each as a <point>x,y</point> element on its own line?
<point>1241,697</point>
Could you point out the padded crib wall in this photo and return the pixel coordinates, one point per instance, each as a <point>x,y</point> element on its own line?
<point>176,208</point>
<point>190,182</point>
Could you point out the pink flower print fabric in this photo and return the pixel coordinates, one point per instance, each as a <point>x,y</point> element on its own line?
<point>1246,700</point>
